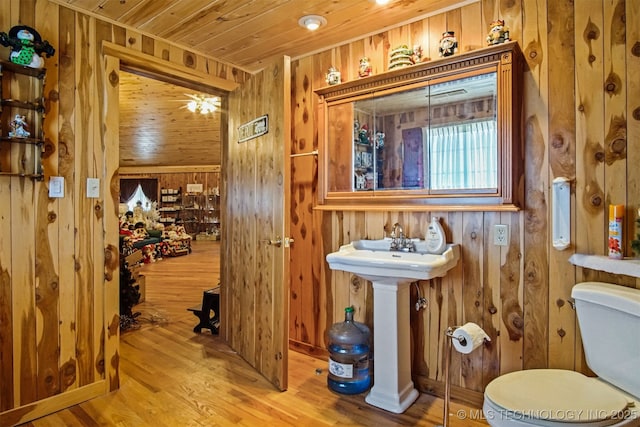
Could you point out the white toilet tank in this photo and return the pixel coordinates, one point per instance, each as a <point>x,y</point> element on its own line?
<point>609,319</point>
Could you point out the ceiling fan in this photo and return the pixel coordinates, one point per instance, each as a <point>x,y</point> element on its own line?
<point>203,104</point>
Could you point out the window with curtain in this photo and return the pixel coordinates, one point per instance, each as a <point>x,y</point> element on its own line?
<point>142,189</point>
<point>463,156</point>
<point>139,196</point>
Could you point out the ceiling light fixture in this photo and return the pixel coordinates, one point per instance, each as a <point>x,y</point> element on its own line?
<point>380,1</point>
<point>312,22</point>
<point>202,104</point>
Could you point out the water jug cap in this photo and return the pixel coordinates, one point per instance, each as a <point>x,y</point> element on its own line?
<point>348,309</point>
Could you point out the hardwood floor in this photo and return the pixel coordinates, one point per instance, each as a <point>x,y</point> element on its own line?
<point>171,376</point>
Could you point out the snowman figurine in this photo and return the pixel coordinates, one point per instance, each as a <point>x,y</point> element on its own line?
<point>26,46</point>
<point>448,44</point>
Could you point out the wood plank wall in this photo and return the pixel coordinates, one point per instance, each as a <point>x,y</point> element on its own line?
<point>581,121</point>
<point>58,257</point>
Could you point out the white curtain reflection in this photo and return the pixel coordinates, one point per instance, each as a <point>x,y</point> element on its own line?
<point>463,156</point>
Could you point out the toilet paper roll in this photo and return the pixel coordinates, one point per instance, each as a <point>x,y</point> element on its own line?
<point>468,337</point>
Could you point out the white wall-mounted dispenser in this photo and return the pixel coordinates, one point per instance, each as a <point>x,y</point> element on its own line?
<point>561,213</point>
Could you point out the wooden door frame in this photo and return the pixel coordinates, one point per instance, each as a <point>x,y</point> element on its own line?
<point>115,58</point>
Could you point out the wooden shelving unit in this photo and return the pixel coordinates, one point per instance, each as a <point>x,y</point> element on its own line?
<point>21,95</point>
<point>170,205</point>
<point>201,215</point>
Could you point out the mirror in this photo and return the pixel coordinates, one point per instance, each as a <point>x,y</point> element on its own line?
<point>422,136</point>
<point>437,137</point>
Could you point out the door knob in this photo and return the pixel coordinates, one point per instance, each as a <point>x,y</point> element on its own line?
<point>277,242</point>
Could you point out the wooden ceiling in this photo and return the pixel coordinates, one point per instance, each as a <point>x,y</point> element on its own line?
<point>250,33</point>
<point>157,130</point>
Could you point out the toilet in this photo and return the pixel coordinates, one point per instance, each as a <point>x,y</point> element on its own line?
<point>609,319</point>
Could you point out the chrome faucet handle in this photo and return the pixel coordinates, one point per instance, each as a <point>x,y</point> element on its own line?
<point>410,245</point>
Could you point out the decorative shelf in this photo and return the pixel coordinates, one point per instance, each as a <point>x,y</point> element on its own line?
<point>627,266</point>
<point>27,105</point>
<point>22,96</point>
<point>17,140</point>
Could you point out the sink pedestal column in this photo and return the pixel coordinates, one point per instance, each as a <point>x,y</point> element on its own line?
<point>392,388</point>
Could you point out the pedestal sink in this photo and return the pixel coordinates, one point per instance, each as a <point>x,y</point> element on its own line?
<point>391,273</point>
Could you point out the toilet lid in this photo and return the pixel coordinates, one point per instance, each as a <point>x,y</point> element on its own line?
<point>556,395</point>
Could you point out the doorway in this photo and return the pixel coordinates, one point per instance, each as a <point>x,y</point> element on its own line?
<point>271,87</point>
<point>162,141</point>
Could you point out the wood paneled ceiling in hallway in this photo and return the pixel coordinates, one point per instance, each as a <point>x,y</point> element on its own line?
<point>157,130</point>
<point>250,33</point>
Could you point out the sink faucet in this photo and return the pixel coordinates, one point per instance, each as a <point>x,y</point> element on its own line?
<point>399,242</point>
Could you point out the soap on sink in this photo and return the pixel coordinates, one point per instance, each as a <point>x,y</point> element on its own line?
<point>435,239</point>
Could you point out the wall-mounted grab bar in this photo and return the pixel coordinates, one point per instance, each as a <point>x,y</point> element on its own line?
<point>310,153</point>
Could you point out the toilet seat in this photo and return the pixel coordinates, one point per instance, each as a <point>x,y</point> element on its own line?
<point>550,397</point>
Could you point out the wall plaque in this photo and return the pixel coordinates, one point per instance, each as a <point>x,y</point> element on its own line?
<point>253,129</point>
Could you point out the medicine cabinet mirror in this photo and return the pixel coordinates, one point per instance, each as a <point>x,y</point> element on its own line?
<point>444,133</point>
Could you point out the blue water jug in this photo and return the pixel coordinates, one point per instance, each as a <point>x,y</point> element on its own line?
<point>349,356</point>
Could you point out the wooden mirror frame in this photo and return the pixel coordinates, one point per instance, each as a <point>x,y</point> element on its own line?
<point>506,60</point>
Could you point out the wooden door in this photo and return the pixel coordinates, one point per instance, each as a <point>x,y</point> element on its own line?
<point>255,271</point>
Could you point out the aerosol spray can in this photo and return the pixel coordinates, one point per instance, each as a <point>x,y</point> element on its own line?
<point>616,219</point>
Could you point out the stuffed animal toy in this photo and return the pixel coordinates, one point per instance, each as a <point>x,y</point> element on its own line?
<point>140,232</point>
<point>26,46</point>
<point>148,252</point>
<point>126,221</point>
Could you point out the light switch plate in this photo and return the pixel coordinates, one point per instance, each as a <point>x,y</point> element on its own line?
<point>56,186</point>
<point>93,188</point>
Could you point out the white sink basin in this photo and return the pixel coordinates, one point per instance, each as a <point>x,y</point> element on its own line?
<point>372,259</point>
<point>391,273</point>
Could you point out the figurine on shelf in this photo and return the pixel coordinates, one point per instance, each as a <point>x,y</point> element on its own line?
<point>364,69</point>
<point>448,44</point>
<point>333,76</point>
<point>26,46</point>
<point>401,56</point>
<point>369,181</point>
<point>363,135</point>
<point>416,56</point>
<point>498,33</point>
<point>379,140</point>
<point>360,181</point>
<point>19,127</point>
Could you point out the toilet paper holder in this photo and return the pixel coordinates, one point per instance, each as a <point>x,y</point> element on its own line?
<point>449,332</point>
<point>447,387</point>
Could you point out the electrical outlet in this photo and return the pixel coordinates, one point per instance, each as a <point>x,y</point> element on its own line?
<point>501,235</point>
